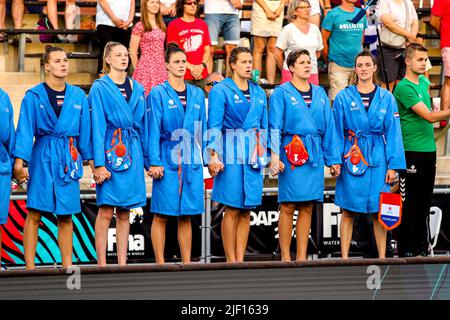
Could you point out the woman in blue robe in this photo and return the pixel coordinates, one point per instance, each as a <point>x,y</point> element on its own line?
<point>367,116</point>
<point>7,135</point>
<point>119,133</point>
<point>53,137</point>
<point>237,122</point>
<point>300,113</point>
<point>177,123</point>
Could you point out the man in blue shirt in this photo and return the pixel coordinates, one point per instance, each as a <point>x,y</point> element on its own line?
<point>342,41</point>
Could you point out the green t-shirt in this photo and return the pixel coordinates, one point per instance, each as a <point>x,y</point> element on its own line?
<point>418,133</point>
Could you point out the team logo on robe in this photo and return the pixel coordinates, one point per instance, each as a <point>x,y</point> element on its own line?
<point>77,106</point>
<point>41,106</point>
<point>383,111</point>
<point>322,100</point>
<point>172,104</point>
<point>294,101</point>
<point>196,106</point>
<point>237,99</point>
<point>353,106</point>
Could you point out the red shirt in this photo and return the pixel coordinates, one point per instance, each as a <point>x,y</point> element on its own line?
<point>441,8</point>
<point>339,2</point>
<point>192,37</point>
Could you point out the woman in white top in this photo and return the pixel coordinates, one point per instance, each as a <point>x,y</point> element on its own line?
<point>113,21</point>
<point>400,26</point>
<point>299,34</point>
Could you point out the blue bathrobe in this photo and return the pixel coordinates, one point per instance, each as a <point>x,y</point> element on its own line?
<point>289,115</point>
<point>53,185</point>
<point>110,112</point>
<point>7,135</point>
<point>176,143</point>
<point>239,185</point>
<point>380,141</point>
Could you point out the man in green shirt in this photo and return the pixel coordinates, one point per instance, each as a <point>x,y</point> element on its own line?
<point>417,183</point>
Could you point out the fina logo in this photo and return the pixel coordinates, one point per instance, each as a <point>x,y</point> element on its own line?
<point>135,242</point>
<point>172,104</point>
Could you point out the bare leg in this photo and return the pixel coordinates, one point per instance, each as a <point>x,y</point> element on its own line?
<point>52,13</point>
<point>30,237</point>
<point>228,229</point>
<point>346,232</point>
<point>445,94</point>
<point>303,229</point>
<point>228,48</point>
<point>380,237</point>
<point>105,214</point>
<point>242,231</point>
<point>71,15</point>
<point>259,44</point>
<point>17,9</point>
<point>210,63</point>
<point>315,19</point>
<point>65,239</point>
<point>158,235</point>
<point>185,238</point>
<point>2,13</point>
<point>123,231</point>
<point>271,66</point>
<point>285,223</point>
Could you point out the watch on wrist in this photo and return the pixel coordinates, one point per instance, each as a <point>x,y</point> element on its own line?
<point>204,65</point>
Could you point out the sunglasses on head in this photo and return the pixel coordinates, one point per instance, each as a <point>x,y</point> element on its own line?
<point>188,3</point>
<point>212,83</point>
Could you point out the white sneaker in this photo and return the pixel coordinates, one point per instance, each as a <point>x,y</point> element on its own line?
<point>72,38</point>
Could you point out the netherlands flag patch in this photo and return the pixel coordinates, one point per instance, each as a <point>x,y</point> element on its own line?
<point>396,115</point>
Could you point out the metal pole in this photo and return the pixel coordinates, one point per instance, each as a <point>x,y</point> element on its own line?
<point>203,230</point>
<point>22,44</point>
<point>208,226</point>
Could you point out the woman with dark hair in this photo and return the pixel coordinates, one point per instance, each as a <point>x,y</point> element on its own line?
<point>177,112</point>
<point>371,147</point>
<point>192,35</point>
<point>119,133</point>
<point>302,142</point>
<point>53,137</point>
<point>149,36</point>
<point>7,135</point>
<point>238,125</point>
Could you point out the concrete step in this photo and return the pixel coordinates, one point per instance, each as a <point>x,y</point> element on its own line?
<point>76,65</point>
<point>442,180</point>
<point>443,165</point>
<point>37,47</point>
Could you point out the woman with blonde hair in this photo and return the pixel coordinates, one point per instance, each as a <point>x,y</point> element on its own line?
<point>299,34</point>
<point>119,132</point>
<point>148,35</point>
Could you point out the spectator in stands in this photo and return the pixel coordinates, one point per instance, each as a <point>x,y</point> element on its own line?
<point>192,35</point>
<point>113,20</point>
<point>168,10</point>
<point>267,22</point>
<point>70,15</point>
<point>223,16</point>
<point>149,35</point>
<point>417,118</point>
<point>119,124</point>
<point>342,42</point>
<point>299,34</point>
<point>53,137</point>
<point>440,21</point>
<point>371,149</point>
<point>177,182</point>
<point>400,26</point>
<point>17,9</point>
<point>212,79</point>
<point>7,135</point>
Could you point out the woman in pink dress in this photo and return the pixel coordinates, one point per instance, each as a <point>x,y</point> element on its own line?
<point>149,35</point>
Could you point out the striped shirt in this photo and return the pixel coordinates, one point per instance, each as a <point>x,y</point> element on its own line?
<point>56,99</point>
<point>307,96</point>
<point>125,89</point>
<point>367,98</point>
<point>246,94</point>
<point>182,95</point>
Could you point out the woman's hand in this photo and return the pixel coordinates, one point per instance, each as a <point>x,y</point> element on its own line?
<point>335,170</point>
<point>156,172</point>
<point>21,174</point>
<point>270,14</point>
<point>101,174</point>
<point>215,165</point>
<point>279,11</point>
<point>276,166</point>
<point>391,175</point>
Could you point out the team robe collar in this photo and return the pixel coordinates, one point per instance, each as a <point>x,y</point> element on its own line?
<point>42,95</point>
<point>292,90</point>
<point>120,99</point>
<point>253,99</point>
<point>355,96</point>
<point>174,96</point>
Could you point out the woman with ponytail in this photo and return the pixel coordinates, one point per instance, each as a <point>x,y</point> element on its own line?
<point>53,137</point>
<point>177,124</point>
<point>119,133</point>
